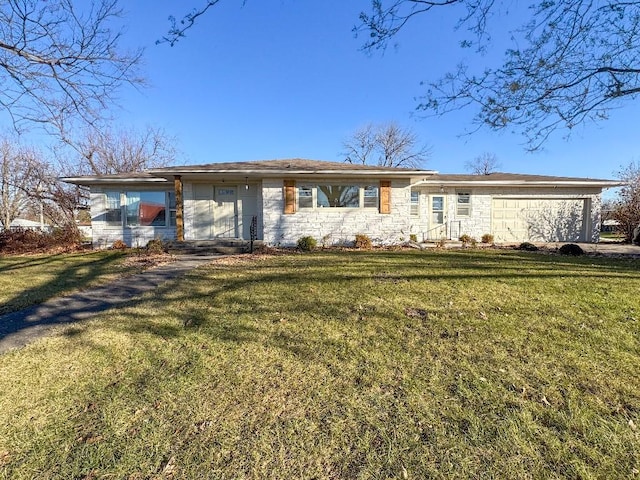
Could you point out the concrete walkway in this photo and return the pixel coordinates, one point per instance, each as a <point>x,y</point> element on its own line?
<point>17,329</point>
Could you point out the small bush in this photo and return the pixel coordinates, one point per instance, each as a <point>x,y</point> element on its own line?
<point>570,249</point>
<point>413,238</point>
<point>306,244</point>
<point>465,239</point>
<point>156,247</point>
<point>487,238</point>
<point>363,242</point>
<point>119,245</point>
<point>530,247</point>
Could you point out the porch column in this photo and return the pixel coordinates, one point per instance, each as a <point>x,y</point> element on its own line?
<point>177,184</point>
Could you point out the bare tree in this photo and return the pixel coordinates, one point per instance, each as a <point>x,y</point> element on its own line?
<point>108,152</point>
<point>568,62</point>
<point>20,179</point>
<point>60,61</point>
<point>361,145</point>
<point>626,209</point>
<point>483,164</point>
<point>387,145</point>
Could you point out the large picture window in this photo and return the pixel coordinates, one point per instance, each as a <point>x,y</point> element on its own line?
<point>317,196</point>
<point>150,208</point>
<point>338,196</point>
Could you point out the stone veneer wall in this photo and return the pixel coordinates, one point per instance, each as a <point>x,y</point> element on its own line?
<point>335,226</point>
<point>480,222</point>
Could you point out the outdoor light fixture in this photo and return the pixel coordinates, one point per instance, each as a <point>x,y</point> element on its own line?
<point>246,183</point>
<point>441,189</point>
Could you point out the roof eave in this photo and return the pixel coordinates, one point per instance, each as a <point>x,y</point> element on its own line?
<point>521,183</point>
<point>104,181</point>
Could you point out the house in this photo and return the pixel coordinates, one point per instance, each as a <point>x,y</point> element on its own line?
<point>280,201</point>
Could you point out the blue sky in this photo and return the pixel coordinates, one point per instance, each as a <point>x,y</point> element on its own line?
<point>286,78</point>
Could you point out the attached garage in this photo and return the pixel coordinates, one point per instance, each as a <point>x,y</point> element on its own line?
<point>541,220</point>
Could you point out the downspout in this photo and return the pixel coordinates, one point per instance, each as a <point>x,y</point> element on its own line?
<point>177,184</point>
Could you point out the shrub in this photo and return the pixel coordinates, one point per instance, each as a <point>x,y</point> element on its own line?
<point>363,242</point>
<point>22,240</point>
<point>570,249</point>
<point>487,238</point>
<point>527,246</point>
<point>119,245</point>
<point>156,247</point>
<point>465,239</point>
<point>306,244</point>
<point>413,238</point>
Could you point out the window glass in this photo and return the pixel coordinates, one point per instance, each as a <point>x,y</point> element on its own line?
<point>345,196</point>
<point>305,197</point>
<point>437,210</point>
<point>146,209</point>
<point>371,196</point>
<point>463,207</point>
<point>415,203</point>
<point>171,197</point>
<point>113,210</point>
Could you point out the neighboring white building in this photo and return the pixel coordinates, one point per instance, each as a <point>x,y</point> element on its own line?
<point>283,200</point>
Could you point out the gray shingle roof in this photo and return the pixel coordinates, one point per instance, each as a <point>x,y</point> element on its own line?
<point>297,165</point>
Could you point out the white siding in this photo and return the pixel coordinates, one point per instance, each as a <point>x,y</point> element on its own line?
<point>104,235</point>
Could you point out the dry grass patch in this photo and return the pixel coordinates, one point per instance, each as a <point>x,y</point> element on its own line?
<point>342,365</point>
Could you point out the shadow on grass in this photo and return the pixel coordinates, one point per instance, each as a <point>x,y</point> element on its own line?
<point>230,287</point>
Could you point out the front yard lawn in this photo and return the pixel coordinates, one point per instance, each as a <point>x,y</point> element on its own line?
<point>456,364</point>
<point>29,279</point>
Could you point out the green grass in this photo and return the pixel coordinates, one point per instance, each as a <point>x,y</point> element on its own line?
<point>461,364</point>
<point>29,279</point>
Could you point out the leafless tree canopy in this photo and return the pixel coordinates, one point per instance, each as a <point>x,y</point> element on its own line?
<point>569,62</point>
<point>108,152</point>
<point>626,209</point>
<point>386,145</point>
<point>60,61</point>
<point>483,164</point>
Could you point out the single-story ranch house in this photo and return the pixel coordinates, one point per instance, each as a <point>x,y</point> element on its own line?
<point>280,201</point>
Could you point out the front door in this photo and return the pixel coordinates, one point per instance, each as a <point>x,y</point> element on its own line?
<point>225,215</point>
<point>437,218</point>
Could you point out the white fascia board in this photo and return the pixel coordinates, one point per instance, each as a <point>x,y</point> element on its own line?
<point>101,180</point>
<point>521,183</point>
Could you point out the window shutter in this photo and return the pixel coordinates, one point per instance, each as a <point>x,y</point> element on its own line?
<point>289,196</point>
<point>385,196</point>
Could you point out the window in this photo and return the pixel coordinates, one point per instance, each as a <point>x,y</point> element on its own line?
<point>370,196</point>
<point>151,208</point>
<point>415,203</point>
<point>113,208</point>
<point>463,206</point>
<point>146,209</point>
<point>343,196</point>
<point>437,210</point>
<point>171,197</point>
<point>305,197</point>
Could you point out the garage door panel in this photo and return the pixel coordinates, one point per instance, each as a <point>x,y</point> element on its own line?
<point>548,220</point>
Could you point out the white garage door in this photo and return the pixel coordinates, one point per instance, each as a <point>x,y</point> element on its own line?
<point>535,220</point>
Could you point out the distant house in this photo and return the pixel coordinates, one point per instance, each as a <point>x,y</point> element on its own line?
<point>23,223</point>
<point>280,201</point>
